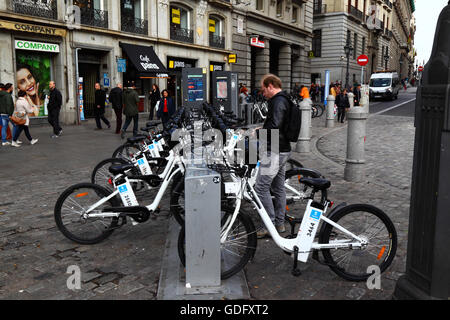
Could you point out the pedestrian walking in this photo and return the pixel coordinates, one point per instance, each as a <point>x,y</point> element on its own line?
<point>115,97</point>
<point>322,93</point>
<point>130,109</point>
<point>296,90</point>
<point>155,96</point>
<point>243,95</point>
<point>357,93</point>
<point>99,110</point>
<point>342,104</point>
<point>54,109</point>
<point>271,176</point>
<point>166,108</point>
<point>6,110</point>
<point>23,109</point>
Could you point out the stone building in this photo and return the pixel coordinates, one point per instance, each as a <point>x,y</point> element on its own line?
<point>380,29</point>
<point>272,36</point>
<point>94,39</point>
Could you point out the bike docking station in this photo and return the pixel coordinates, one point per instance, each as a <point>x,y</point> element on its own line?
<point>200,279</point>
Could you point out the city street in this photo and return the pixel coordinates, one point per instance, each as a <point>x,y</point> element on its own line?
<point>35,256</point>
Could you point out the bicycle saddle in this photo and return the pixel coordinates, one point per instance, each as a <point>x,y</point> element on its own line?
<point>148,129</point>
<point>153,123</point>
<point>136,139</point>
<point>316,183</point>
<point>116,170</point>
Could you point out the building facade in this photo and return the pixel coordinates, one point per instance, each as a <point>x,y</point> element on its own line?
<point>383,30</point>
<point>272,36</point>
<point>67,41</point>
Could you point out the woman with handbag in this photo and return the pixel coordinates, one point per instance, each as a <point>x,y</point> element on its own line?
<point>155,96</point>
<point>20,117</point>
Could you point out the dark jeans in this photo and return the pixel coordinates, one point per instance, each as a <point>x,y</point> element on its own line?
<point>152,110</point>
<point>101,115</point>
<point>128,119</point>
<point>19,131</point>
<point>118,112</point>
<point>165,118</point>
<point>53,119</point>
<point>341,114</point>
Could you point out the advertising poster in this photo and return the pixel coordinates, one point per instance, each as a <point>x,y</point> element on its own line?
<point>33,75</point>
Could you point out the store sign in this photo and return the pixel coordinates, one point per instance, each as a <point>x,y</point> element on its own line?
<point>145,63</point>
<point>37,46</point>
<point>178,64</point>
<point>176,16</point>
<point>255,42</point>
<point>81,98</point>
<point>215,67</point>
<point>232,58</point>
<point>32,28</point>
<point>212,25</point>
<point>240,25</point>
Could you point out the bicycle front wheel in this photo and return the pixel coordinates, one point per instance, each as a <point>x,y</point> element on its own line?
<point>73,203</point>
<point>370,224</point>
<point>238,248</point>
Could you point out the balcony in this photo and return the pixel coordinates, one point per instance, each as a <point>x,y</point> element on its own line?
<point>319,8</point>
<point>388,5</point>
<point>36,8</point>
<point>216,41</point>
<point>134,25</point>
<point>94,17</point>
<point>355,14</point>
<point>181,34</point>
<point>222,3</point>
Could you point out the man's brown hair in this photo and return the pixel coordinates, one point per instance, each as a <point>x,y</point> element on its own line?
<point>273,80</point>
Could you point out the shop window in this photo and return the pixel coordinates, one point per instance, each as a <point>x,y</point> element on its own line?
<point>180,24</point>
<point>216,38</point>
<point>93,12</point>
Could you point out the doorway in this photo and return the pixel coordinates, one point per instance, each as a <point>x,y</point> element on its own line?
<point>90,74</point>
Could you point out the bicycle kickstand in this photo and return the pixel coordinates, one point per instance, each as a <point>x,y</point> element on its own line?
<point>295,270</point>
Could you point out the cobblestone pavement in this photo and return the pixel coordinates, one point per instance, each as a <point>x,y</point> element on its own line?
<point>34,255</point>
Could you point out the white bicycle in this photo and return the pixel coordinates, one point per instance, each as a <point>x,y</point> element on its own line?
<point>350,238</point>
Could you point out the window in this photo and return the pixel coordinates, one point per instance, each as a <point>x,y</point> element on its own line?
<point>295,14</point>
<point>355,45</point>
<point>260,5</point>
<point>317,43</point>
<point>216,38</point>
<point>280,8</point>
<point>180,24</point>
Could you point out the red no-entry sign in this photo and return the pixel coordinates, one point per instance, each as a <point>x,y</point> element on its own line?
<point>363,60</point>
<point>420,69</point>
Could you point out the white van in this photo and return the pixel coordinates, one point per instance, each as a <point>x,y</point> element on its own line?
<point>384,85</point>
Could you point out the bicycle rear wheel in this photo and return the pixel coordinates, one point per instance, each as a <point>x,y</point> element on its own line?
<point>369,223</point>
<point>239,247</point>
<point>73,203</point>
<point>126,151</point>
<point>101,175</point>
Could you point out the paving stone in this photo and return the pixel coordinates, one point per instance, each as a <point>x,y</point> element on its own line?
<point>104,288</point>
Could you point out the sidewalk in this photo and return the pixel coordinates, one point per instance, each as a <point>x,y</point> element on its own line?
<point>34,255</point>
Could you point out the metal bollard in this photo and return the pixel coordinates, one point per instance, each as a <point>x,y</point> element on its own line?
<point>356,139</point>
<point>330,111</point>
<point>304,139</point>
<point>351,99</point>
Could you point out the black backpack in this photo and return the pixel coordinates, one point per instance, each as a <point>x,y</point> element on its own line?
<point>293,122</point>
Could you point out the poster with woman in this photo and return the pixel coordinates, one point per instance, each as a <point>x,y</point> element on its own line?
<point>33,75</point>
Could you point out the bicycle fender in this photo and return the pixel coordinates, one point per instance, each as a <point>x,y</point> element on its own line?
<point>305,171</point>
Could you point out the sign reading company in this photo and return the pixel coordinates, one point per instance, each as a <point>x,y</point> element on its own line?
<point>145,63</point>
<point>37,46</point>
<point>25,27</point>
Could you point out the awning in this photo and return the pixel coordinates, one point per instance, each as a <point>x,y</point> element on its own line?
<point>145,61</point>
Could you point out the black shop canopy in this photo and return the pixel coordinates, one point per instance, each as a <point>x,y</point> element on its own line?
<point>145,61</point>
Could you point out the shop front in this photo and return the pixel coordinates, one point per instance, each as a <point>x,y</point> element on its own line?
<point>143,67</point>
<point>175,65</point>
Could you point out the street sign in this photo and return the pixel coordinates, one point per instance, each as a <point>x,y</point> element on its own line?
<point>420,69</point>
<point>363,60</point>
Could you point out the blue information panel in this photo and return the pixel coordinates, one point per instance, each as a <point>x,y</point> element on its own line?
<point>195,88</point>
<point>121,65</point>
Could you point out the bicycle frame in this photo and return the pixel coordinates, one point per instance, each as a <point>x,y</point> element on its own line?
<point>304,241</point>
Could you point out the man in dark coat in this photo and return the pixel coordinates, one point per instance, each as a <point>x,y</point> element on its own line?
<point>342,104</point>
<point>6,110</point>
<point>357,93</point>
<point>130,109</point>
<point>115,97</point>
<point>99,109</point>
<point>54,109</point>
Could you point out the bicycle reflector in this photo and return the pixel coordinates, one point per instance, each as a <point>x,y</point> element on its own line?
<point>380,255</point>
<point>110,181</point>
<point>80,195</point>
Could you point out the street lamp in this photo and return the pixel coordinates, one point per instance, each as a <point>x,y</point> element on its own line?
<point>348,49</point>
<point>401,64</point>
<point>386,59</point>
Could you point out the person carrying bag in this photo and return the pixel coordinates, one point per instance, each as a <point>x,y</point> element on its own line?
<point>23,110</point>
